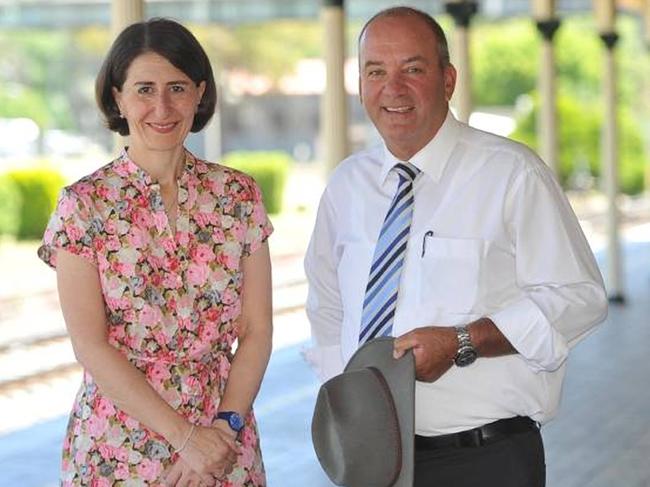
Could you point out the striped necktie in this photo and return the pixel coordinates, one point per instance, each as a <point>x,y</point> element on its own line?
<point>383,282</point>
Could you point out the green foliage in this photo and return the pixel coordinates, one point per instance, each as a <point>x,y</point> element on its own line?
<point>18,101</point>
<point>579,59</point>
<point>39,188</point>
<point>10,203</point>
<point>274,48</point>
<point>579,140</point>
<point>268,168</point>
<point>47,75</point>
<point>503,61</point>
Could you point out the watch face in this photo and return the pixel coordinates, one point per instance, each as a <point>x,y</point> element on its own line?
<point>465,357</point>
<point>236,422</point>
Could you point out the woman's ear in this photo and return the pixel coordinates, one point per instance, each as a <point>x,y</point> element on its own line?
<point>117,96</point>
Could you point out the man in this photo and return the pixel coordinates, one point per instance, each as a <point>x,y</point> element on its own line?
<point>461,244</point>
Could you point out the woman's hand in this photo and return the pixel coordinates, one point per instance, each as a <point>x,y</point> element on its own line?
<point>181,475</point>
<point>210,452</point>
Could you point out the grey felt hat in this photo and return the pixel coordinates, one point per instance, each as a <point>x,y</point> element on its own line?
<point>363,424</point>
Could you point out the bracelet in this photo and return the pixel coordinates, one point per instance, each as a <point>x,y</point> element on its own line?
<point>186,440</point>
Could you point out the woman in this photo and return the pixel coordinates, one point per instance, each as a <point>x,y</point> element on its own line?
<point>162,264</point>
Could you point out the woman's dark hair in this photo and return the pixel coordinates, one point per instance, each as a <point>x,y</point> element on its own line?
<point>168,39</point>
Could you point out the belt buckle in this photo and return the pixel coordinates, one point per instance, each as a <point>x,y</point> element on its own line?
<point>471,438</point>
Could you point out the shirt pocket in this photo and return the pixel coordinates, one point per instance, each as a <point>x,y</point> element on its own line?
<point>451,273</point>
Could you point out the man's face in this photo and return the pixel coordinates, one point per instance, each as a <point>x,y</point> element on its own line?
<point>402,86</point>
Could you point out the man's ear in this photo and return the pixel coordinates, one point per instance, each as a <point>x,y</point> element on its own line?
<point>449,75</point>
<point>360,92</point>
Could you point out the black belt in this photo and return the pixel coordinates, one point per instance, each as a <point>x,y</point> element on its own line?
<point>482,435</point>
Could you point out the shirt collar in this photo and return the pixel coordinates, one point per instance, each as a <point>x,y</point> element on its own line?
<point>433,157</point>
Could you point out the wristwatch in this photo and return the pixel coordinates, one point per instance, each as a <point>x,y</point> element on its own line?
<point>466,353</point>
<point>234,420</point>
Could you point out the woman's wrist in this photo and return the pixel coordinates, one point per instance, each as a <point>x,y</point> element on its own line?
<point>186,440</point>
<point>178,432</point>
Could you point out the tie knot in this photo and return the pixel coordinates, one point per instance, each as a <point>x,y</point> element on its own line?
<point>406,170</point>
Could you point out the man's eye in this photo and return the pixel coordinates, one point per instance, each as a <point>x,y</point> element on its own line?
<point>375,73</point>
<point>413,69</point>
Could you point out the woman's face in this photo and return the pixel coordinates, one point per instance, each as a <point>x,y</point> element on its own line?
<point>159,103</point>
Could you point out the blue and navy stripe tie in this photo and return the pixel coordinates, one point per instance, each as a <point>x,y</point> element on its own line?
<point>383,282</point>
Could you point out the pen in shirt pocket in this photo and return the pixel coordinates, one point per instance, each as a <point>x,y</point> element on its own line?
<point>429,233</point>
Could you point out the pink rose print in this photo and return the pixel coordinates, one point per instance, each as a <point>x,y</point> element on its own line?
<point>67,206</point>
<point>97,426</point>
<point>149,315</point>
<point>113,244</point>
<point>172,281</point>
<point>74,233</point>
<point>202,253</point>
<point>121,471</point>
<point>197,274</point>
<point>84,189</point>
<point>100,482</point>
<point>80,457</point>
<point>160,220</point>
<point>239,231</point>
<point>183,238</point>
<point>104,408</point>
<point>143,218</point>
<point>228,296</point>
<point>137,238</point>
<point>159,372</point>
<point>227,260</point>
<point>122,454</point>
<point>168,244</point>
<point>106,451</point>
<point>131,423</point>
<point>218,236</point>
<point>148,469</point>
<point>246,458</point>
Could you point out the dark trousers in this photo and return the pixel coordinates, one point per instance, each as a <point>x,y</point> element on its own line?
<point>515,461</point>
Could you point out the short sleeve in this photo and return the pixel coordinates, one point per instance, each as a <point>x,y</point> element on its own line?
<point>71,228</point>
<point>258,225</point>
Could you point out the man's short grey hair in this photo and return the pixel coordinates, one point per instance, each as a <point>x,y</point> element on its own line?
<point>439,34</point>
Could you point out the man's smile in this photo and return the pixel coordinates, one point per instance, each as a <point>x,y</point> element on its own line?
<point>400,109</point>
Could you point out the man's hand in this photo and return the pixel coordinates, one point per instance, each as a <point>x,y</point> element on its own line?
<point>434,348</point>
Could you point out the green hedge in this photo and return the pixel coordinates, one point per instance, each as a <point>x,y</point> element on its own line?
<point>268,168</point>
<point>39,188</point>
<point>580,132</point>
<point>10,202</point>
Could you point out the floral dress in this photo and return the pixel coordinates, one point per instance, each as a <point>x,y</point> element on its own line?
<point>171,301</point>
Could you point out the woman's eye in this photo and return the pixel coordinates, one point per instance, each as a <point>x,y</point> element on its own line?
<point>145,90</point>
<point>177,88</point>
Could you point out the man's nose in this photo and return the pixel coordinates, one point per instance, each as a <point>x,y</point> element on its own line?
<point>395,84</point>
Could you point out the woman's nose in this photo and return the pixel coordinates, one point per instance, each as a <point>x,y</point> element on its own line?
<point>162,104</point>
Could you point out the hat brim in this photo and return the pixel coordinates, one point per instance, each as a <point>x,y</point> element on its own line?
<point>400,376</point>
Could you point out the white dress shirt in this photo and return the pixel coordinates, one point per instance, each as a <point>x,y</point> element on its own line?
<point>492,235</point>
